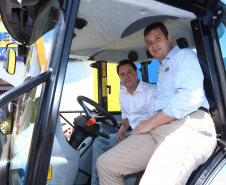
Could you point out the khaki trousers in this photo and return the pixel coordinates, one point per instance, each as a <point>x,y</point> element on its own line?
<point>170,153</point>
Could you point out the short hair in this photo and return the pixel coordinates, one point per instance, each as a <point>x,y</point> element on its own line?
<point>124,62</point>
<point>155,26</point>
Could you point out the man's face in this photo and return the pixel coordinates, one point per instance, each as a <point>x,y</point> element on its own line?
<point>128,76</point>
<point>157,44</point>
<point>67,130</point>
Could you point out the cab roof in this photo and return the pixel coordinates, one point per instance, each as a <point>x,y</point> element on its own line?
<point>106,30</point>
<point>113,29</point>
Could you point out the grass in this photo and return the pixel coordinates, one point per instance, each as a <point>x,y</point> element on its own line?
<point>6,126</point>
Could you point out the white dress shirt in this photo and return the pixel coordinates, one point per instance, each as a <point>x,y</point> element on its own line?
<point>180,84</point>
<point>139,106</point>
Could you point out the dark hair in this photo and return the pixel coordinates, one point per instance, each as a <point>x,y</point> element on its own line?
<point>155,26</point>
<point>124,62</point>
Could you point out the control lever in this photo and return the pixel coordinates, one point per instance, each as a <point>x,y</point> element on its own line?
<point>83,145</point>
<point>104,135</point>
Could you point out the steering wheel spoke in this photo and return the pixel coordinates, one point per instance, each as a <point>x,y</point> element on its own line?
<point>100,114</point>
<point>101,117</point>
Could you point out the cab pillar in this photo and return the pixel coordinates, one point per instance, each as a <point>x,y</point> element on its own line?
<point>101,67</point>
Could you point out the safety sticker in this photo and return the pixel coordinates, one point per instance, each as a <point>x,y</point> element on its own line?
<point>104,87</point>
<point>49,177</point>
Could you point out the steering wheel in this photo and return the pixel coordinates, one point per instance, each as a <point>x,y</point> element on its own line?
<point>93,114</point>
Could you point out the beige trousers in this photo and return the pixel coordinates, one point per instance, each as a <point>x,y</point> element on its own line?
<point>169,153</point>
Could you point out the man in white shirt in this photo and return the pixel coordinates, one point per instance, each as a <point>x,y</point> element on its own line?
<point>181,136</point>
<point>136,101</point>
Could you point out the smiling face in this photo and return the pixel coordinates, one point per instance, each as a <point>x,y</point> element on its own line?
<point>67,130</point>
<point>158,45</point>
<point>128,77</point>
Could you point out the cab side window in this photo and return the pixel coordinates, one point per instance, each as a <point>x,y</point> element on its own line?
<point>153,71</point>
<point>221,31</point>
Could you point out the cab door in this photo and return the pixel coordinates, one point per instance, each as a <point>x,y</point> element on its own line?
<point>43,137</point>
<point>209,36</point>
<point>62,16</point>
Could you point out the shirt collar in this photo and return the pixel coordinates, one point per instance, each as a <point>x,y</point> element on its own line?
<point>140,87</point>
<point>170,54</point>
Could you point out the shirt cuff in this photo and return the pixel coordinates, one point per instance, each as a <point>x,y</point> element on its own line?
<point>169,111</point>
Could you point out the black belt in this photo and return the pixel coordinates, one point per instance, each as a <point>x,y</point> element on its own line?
<point>204,109</point>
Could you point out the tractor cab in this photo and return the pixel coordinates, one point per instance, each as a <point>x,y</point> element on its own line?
<point>70,50</point>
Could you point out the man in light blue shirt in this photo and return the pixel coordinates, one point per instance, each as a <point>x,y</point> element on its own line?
<point>185,76</point>
<point>181,136</point>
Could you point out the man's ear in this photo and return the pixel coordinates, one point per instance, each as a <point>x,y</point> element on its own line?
<point>137,73</point>
<point>169,38</point>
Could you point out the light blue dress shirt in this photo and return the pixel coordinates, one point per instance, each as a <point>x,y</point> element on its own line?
<point>180,88</point>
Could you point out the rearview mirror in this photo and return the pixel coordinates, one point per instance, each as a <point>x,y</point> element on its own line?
<point>10,61</point>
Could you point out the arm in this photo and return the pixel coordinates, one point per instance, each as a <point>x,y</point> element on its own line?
<point>125,122</point>
<point>122,130</point>
<point>148,125</point>
<point>151,100</point>
<point>188,86</point>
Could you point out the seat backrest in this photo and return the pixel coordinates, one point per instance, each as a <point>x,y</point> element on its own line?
<point>210,95</point>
